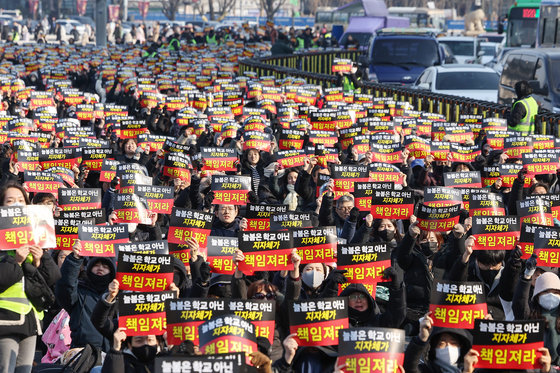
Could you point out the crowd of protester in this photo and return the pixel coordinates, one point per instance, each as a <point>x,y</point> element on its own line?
<point>71,301</point>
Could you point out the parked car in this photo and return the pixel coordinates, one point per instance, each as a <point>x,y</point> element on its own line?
<point>541,68</point>
<point>69,25</point>
<point>490,50</point>
<point>399,56</point>
<point>465,48</point>
<point>497,63</point>
<point>467,80</point>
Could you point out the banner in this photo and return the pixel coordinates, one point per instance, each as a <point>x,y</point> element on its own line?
<point>159,198</point>
<point>437,196</point>
<point>258,216</point>
<point>92,158</point>
<point>457,304</point>
<point>527,239</point>
<point>220,159</point>
<point>392,204</point>
<point>143,313</point>
<point>222,363</point>
<point>230,189</point>
<point>226,334</point>
<point>79,198</point>
<point>363,193</point>
<point>439,219</point>
<point>317,322</point>
<point>508,345</point>
<point>265,251</point>
<point>150,247</point>
<point>131,208</point>
<point>462,179</point>
<point>220,251</point>
<point>108,170</point>
<point>177,166</point>
<point>100,240</point>
<point>316,245</point>
<point>290,220</point>
<point>42,182</point>
<point>185,224</point>
<point>377,350</point>
<point>144,272</point>
<point>27,225</point>
<point>535,211</point>
<point>495,232</point>
<point>364,264</point>
<point>66,230</point>
<point>547,246</point>
<point>486,204</point>
<point>184,316</point>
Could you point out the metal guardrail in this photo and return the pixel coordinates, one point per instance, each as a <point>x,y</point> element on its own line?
<point>315,68</point>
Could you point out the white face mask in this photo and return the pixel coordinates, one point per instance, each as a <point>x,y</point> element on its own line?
<point>313,279</point>
<point>549,301</point>
<point>17,204</point>
<point>132,227</point>
<point>449,355</point>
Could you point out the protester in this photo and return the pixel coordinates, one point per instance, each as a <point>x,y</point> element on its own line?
<point>316,218</point>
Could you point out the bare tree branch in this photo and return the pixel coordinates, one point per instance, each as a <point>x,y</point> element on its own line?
<point>169,8</point>
<point>271,7</point>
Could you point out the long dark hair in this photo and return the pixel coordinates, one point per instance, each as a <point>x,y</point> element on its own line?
<point>377,223</point>
<point>13,185</point>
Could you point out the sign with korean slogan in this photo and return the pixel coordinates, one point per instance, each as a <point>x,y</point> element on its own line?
<point>376,350</point>
<point>27,225</point>
<point>265,251</point>
<point>226,334</point>
<point>317,322</point>
<point>508,344</point>
<point>185,315</point>
<point>144,272</point>
<point>100,240</point>
<point>364,264</point>
<point>143,313</point>
<point>457,305</point>
<point>495,232</point>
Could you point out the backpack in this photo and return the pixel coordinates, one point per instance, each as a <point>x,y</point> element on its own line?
<point>82,362</point>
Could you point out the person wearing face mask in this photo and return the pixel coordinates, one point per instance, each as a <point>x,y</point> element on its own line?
<point>544,305</point>
<point>132,354</point>
<point>378,230</point>
<point>79,297</point>
<point>524,288</point>
<point>414,255</point>
<point>485,266</point>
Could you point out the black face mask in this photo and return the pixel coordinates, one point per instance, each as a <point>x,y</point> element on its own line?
<point>144,353</point>
<point>428,248</point>
<point>386,235</point>
<point>100,283</point>
<point>488,275</point>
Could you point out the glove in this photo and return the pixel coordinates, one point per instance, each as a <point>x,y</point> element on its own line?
<point>521,175</point>
<point>395,276</point>
<point>337,276</point>
<point>208,199</point>
<point>114,182</point>
<point>354,213</point>
<point>205,272</point>
<point>515,258</point>
<point>530,266</point>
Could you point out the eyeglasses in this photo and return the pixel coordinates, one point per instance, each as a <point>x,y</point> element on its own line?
<point>227,209</point>
<point>357,297</point>
<point>268,296</point>
<point>346,208</point>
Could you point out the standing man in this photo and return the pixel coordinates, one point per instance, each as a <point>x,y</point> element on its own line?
<point>524,109</point>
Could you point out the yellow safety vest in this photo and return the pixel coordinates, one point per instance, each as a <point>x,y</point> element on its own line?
<point>15,300</point>
<point>527,124</point>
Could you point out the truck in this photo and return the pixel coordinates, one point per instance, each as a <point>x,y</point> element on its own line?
<point>376,16</point>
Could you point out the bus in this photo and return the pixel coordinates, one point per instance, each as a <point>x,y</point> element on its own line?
<point>549,27</point>
<point>523,18</point>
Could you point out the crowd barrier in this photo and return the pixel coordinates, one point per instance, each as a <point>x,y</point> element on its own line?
<point>315,68</point>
